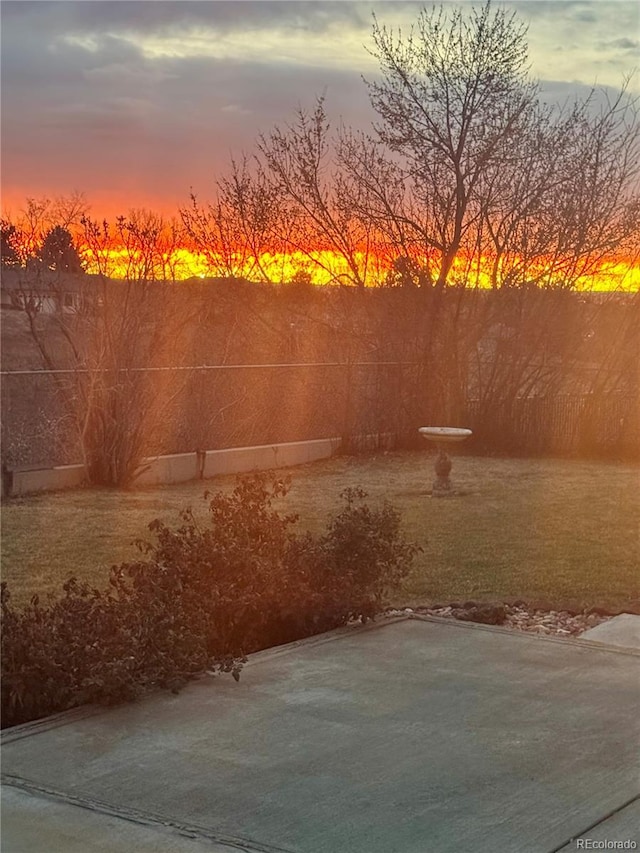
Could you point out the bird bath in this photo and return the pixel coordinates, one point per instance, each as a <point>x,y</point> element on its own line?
<point>443,435</point>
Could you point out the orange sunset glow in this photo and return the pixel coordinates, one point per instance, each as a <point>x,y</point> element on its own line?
<point>326,268</point>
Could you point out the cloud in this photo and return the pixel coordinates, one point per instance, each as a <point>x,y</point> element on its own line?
<point>625,44</point>
<point>222,16</point>
<point>154,128</point>
<point>153,97</point>
<point>582,43</point>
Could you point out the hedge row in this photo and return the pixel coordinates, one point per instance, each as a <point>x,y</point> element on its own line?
<point>198,600</point>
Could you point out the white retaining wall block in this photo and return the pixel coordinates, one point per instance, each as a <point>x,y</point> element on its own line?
<point>177,468</point>
<point>239,460</point>
<point>45,479</point>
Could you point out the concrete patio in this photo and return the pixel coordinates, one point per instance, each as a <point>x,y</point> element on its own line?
<point>408,736</point>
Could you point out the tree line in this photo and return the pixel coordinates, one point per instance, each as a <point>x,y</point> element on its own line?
<point>57,251</point>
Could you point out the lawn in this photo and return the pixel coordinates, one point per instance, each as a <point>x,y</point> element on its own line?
<point>550,532</point>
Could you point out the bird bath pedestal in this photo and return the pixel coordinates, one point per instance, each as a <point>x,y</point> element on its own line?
<point>442,436</point>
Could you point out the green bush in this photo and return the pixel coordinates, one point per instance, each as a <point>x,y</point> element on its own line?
<point>198,600</point>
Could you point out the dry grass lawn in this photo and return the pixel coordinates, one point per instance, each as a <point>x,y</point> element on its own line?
<point>555,532</point>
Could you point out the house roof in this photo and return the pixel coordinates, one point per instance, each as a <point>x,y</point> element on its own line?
<point>40,279</point>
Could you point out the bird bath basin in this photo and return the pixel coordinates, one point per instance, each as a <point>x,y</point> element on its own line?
<point>443,435</point>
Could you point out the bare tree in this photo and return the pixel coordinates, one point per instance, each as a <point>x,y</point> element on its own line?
<point>113,352</point>
<point>317,202</point>
<point>40,215</point>
<point>451,94</point>
<point>237,232</point>
<point>287,207</point>
<point>563,201</point>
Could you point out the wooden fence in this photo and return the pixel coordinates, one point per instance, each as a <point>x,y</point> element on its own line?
<point>605,425</point>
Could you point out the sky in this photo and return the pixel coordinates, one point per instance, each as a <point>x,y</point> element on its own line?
<point>137,102</point>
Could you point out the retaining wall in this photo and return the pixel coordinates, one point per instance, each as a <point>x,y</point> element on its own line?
<point>45,479</point>
<point>262,458</point>
<point>182,467</point>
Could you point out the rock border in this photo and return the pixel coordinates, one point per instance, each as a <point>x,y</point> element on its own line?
<point>517,617</point>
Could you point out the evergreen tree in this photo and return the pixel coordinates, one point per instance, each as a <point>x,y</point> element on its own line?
<point>58,251</point>
<point>8,236</point>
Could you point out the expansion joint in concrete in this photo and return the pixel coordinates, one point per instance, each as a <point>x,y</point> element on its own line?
<point>568,844</point>
<point>142,818</point>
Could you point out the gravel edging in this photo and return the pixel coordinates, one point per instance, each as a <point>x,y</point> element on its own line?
<point>517,617</point>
